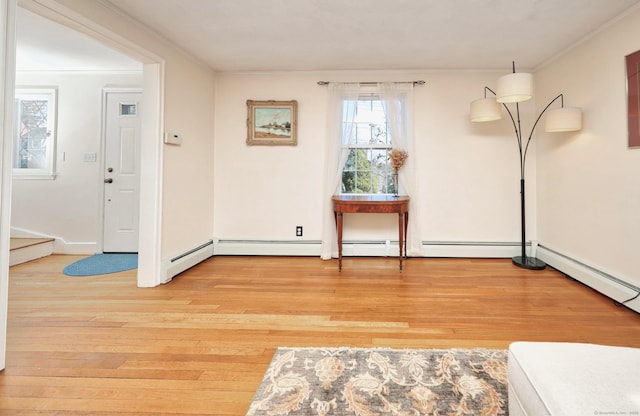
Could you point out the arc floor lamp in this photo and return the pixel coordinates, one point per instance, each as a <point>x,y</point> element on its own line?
<point>515,88</point>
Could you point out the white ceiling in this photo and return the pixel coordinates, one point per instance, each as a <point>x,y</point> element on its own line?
<point>43,45</point>
<point>271,35</point>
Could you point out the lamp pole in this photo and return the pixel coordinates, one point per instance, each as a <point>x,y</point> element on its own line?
<point>524,261</point>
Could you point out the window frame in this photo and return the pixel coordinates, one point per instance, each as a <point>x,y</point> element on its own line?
<point>50,93</point>
<point>369,147</point>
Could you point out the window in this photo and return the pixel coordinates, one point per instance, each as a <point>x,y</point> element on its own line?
<point>368,170</point>
<point>128,109</point>
<point>35,133</point>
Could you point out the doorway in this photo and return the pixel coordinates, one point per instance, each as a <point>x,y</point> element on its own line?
<point>151,151</point>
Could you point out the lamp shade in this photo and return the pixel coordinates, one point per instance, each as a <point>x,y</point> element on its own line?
<point>563,119</point>
<point>486,109</point>
<point>514,88</point>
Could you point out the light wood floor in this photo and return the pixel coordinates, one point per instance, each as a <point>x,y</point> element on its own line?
<point>200,344</point>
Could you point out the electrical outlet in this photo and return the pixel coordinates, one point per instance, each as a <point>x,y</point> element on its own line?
<point>299,231</point>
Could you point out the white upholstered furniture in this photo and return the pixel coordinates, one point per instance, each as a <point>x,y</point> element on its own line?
<point>566,379</point>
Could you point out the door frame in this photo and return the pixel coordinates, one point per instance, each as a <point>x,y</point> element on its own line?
<point>103,149</point>
<point>7,82</point>
<point>152,120</point>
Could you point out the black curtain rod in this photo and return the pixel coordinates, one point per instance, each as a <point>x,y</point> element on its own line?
<point>419,82</point>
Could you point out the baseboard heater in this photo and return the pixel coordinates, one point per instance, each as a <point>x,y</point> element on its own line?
<point>178,264</point>
<point>366,248</point>
<point>472,249</point>
<point>302,248</point>
<point>611,286</point>
<point>267,247</point>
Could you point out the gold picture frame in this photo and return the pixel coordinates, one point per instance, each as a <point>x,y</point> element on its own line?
<point>272,123</point>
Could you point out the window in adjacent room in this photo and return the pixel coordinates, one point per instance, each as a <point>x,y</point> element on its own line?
<point>35,133</point>
<point>368,169</point>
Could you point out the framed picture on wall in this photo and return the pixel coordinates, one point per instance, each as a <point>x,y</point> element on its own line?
<point>272,123</point>
<point>633,98</point>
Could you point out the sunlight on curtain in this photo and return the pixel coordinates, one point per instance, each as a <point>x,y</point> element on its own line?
<point>397,99</point>
<point>343,100</point>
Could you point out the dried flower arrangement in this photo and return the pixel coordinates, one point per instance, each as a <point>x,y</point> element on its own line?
<point>398,157</point>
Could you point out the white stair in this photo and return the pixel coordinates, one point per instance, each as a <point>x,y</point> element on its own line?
<point>27,249</point>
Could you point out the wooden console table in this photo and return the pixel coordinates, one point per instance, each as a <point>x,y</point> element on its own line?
<point>374,204</point>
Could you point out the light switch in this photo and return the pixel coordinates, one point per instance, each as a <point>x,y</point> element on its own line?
<point>90,157</point>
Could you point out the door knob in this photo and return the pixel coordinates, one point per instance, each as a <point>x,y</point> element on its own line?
<point>108,180</point>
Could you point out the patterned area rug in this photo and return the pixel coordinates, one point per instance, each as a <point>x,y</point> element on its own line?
<point>369,382</point>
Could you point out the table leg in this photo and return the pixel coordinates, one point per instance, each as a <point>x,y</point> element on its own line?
<point>338,216</point>
<point>406,226</point>
<point>401,231</point>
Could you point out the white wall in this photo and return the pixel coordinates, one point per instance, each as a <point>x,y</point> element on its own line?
<point>589,181</point>
<point>187,209</point>
<point>468,172</point>
<point>263,192</point>
<point>186,171</point>
<point>68,207</point>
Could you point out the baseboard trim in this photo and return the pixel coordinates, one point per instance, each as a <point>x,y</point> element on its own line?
<point>60,246</point>
<point>17,232</point>
<point>611,286</point>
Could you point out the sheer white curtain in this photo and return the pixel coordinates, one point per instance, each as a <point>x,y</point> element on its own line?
<point>397,99</point>
<point>343,100</point>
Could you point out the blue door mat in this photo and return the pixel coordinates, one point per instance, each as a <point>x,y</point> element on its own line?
<point>102,264</point>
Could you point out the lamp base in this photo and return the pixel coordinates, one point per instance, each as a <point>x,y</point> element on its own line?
<point>530,263</point>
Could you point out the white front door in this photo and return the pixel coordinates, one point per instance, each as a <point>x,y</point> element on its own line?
<point>121,172</point>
